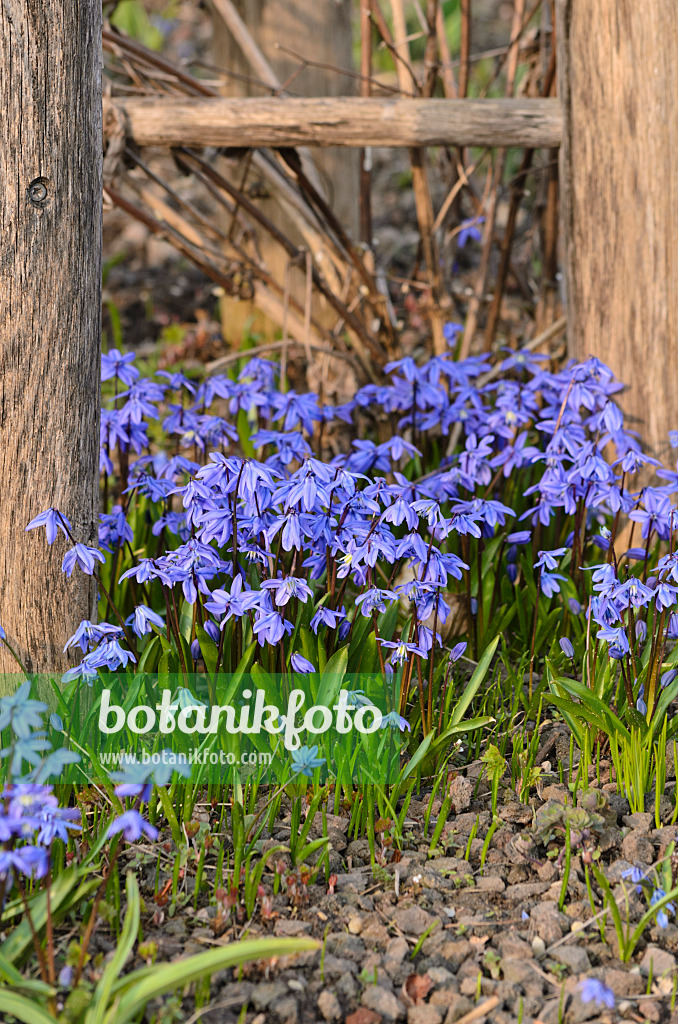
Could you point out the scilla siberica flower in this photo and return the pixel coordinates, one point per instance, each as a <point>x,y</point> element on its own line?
<point>53,521</point>
<point>301,664</point>
<point>305,760</point>
<point>83,556</point>
<point>592,990</point>
<point>665,910</point>
<point>133,826</point>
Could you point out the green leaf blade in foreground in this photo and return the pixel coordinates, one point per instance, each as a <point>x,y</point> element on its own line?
<point>474,683</point>
<point>135,993</point>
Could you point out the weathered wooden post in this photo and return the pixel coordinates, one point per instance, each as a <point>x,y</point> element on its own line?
<point>50,313</point>
<point>618,82</point>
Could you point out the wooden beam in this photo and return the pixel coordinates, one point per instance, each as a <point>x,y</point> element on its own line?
<point>342,121</point>
<point>50,319</point>
<point>618,79</point>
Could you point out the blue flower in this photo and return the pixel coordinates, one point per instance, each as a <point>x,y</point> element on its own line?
<point>395,721</point>
<point>566,647</point>
<point>637,876</point>
<point>668,908</point>
<point>305,761</point>
<point>82,555</point>
<point>133,826</point>
<point>469,230</point>
<point>301,664</point>
<point>593,990</point>
<point>144,618</point>
<point>24,714</point>
<point>53,521</point>
<point>547,559</point>
<point>115,364</point>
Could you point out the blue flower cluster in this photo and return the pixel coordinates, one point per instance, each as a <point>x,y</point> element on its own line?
<point>30,816</point>
<point>252,538</point>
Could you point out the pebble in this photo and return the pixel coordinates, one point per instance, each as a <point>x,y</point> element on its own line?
<point>640,819</point>
<point>637,848</point>
<point>286,1009</point>
<point>265,992</point>
<point>424,1014</point>
<point>413,920</point>
<point>329,1006</point>
<point>355,925</point>
<point>383,1002</point>
<point>574,957</point>
<point>661,961</point>
<point>457,1009</point>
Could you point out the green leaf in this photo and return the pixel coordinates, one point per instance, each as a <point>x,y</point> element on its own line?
<point>63,895</point>
<point>136,990</point>
<point>469,726</point>
<point>23,1009</point>
<point>330,682</point>
<point>126,942</point>
<point>474,683</point>
<point>148,661</point>
<point>208,649</point>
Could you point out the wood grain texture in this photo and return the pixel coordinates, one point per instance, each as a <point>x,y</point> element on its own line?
<point>618,80</point>
<point>343,121</point>
<point>50,314</point>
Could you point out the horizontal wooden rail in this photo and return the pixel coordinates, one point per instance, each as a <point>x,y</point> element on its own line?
<point>352,121</point>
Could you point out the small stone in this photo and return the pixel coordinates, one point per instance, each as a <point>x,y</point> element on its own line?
<point>329,1005</point>
<point>520,814</point>
<point>347,986</point>
<point>460,793</point>
<point>457,1009</point>
<point>653,1011</point>
<point>548,872</point>
<point>355,925</point>
<point>455,952</point>
<point>490,883</point>
<point>265,992</point>
<point>396,951</point>
<point>513,947</point>
<point>518,972</point>
<point>289,929</point>
<point>619,804</point>
<point>344,945</point>
<point>538,946</point>
<point>444,996</point>
<point>637,848</point>
<point>548,921</point>
<point>424,1014</point>
<point>383,1002</point>
<point>285,1009</point>
<point>525,890</point>
<point>640,819</point>
<point>558,792</point>
<point>439,975</point>
<point>363,1016</point>
<point>574,957</point>
<point>413,920</point>
<point>659,960</point>
<point>622,983</point>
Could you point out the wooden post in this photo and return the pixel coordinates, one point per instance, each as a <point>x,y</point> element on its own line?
<point>618,81</point>
<point>50,314</point>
